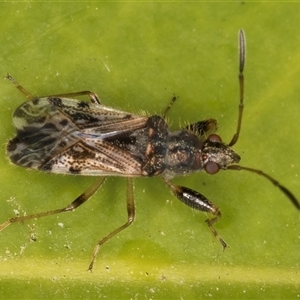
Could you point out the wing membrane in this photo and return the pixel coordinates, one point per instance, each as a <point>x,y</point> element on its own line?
<point>62,135</point>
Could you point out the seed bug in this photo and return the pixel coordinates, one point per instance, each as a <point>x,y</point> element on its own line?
<point>63,135</point>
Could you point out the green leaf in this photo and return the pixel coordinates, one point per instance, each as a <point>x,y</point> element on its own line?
<point>135,56</point>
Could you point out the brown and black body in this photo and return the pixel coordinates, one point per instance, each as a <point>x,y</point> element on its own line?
<point>59,134</point>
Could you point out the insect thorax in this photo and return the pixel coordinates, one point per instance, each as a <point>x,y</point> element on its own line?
<point>162,151</point>
<point>184,153</point>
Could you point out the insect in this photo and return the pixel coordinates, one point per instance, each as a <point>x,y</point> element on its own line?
<point>63,135</point>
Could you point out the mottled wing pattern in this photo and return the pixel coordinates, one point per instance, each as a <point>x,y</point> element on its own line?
<point>62,135</point>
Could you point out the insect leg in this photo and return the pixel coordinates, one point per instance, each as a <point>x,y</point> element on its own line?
<point>93,96</point>
<point>203,128</point>
<point>72,206</point>
<point>19,87</point>
<point>198,201</point>
<point>286,191</point>
<point>130,219</point>
<point>174,98</point>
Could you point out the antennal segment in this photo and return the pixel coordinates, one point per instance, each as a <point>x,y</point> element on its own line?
<point>242,57</point>
<point>286,191</point>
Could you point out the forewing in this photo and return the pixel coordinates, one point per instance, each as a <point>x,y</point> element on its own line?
<point>104,159</point>
<point>68,136</point>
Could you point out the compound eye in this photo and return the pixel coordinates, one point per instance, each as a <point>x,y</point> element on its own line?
<point>214,138</point>
<point>211,167</point>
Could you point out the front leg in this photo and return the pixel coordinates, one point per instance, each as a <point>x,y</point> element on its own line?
<point>199,202</point>
<point>203,128</point>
